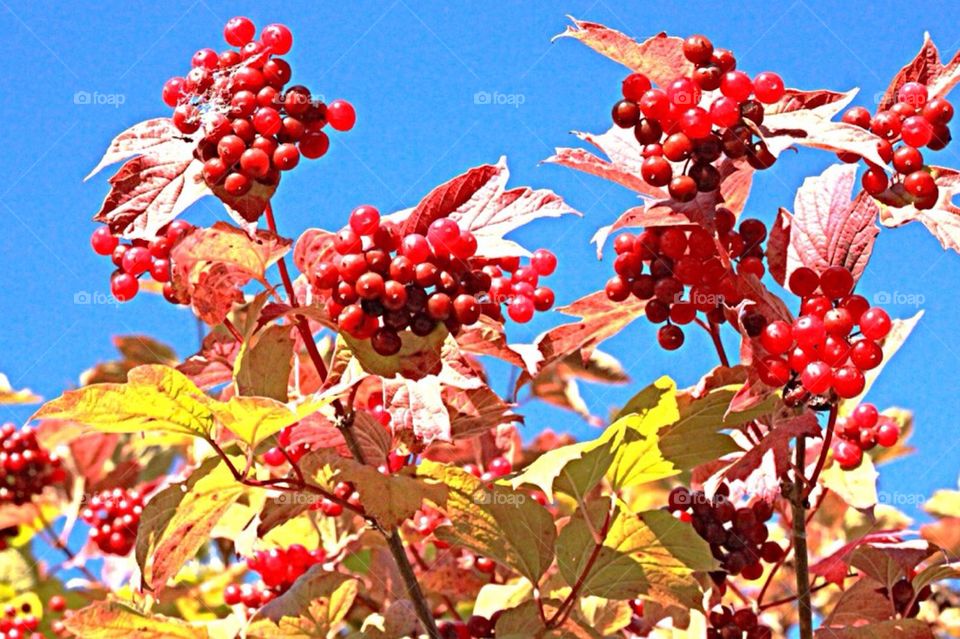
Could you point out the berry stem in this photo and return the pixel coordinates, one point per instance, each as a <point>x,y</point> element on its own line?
<point>567,606</point>
<point>799,538</point>
<point>237,335</point>
<point>714,330</point>
<point>824,451</point>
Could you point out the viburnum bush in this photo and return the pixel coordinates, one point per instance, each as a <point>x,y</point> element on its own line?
<point>334,462</point>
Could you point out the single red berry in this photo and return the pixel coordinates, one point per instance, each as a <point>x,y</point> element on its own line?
<point>160,269</point>
<point>848,382</point>
<point>186,118</point>
<point>341,115</point>
<point>773,371</point>
<point>237,184</point>
<point>817,377</point>
<point>803,281</point>
<point>634,86</point>
<point>670,337</point>
<point>365,220</point>
<point>874,181</point>
<point>57,603</point>
<point>286,156</point>
<point>808,331</point>
<point>907,159</point>
<point>698,49</point>
<point>736,85</point>
<point>836,282</point>
<point>768,87</point>
<point>913,93</point>
<point>683,93</point>
<point>415,248</point>
<point>172,91</point>
<point>920,184</point>
<point>916,131</point>
<point>886,124</point>
<point>682,188</point>
<point>656,171</point>
<point>239,31</point>
<point>938,111</point>
<point>278,38</point>
<point>625,114</point>
<point>124,286</point>
<point>724,111</point>
<point>777,337</point>
<point>103,241</point>
<point>136,260</point>
<point>544,262</point>
<point>655,104</point>
<point>499,466</point>
<point>888,433</point>
<point>274,457</point>
<point>521,309</point>
<point>386,342</point>
<point>230,148</point>
<point>677,147</point>
<point>875,323</point>
<point>267,121</point>
<point>255,163</point>
<point>314,145</point>
<point>696,123</point>
<point>866,354</point>
<point>848,454</point>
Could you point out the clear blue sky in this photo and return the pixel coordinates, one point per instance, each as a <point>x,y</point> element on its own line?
<point>412,70</point>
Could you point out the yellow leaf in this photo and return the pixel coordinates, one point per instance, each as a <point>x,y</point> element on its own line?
<point>857,487</point>
<point>316,603</point>
<point>111,620</point>
<point>254,419</point>
<point>154,398</point>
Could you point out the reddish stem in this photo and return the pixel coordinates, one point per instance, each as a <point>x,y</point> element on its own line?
<point>564,610</point>
<point>824,451</point>
<point>714,330</point>
<point>237,335</point>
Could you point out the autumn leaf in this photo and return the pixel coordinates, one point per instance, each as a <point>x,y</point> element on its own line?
<point>892,629</point>
<point>314,605</point>
<point>651,555</point>
<point>389,499</point>
<point>557,384</point>
<point>213,364</point>
<point>212,265</point>
<point>857,487</point>
<point>599,318</point>
<point>927,69</point>
<point>256,419</point>
<point>942,219</point>
<point>834,567</point>
<point>494,521</point>
<point>135,350</point>
<point>113,620</point>
<point>177,521</point>
<point>417,357</point>
<point>264,363</point>
<point>660,58</point>
<point>774,445</point>
<point>827,228</point>
<point>154,398</point>
<point>900,330</point>
<point>10,396</point>
<point>488,337</point>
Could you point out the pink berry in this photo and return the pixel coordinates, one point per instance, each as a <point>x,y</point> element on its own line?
<point>365,220</point>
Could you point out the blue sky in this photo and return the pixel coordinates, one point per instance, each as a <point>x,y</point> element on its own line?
<point>413,71</point>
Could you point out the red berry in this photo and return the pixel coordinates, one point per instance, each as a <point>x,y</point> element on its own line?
<point>682,188</point>
<point>415,248</point>
<point>286,156</point>
<point>499,466</point>
<point>774,371</point>
<point>172,91</point>
<point>817,377</point>
<point>886,124</point>
<point>314,145</point>
<point>634,86</point>
<point>543,262</point>
<point>913,93</point>
<point>103,241</point>
<point>736,85</point>
<point>278,38</point>
<point>521,309</point>
<point>938,111</point>
<point>698,49</point>
<point>920,184</point>
<point>875,323</point>
<point>239,31</point>
<point>656,171</point>
<point>625,114</point>
<point>803,281</point>
<point>888,434</point>
<point>916,131</point>
<point>341,115</point>
<point>136,260</point>
<point>386,342</point>
<point>683,92</point>
<point>777,337</point>
<point>907,159</point>
<point>857,116</point>
<point>267,121</point>
<point>874,181</point>
<point>186,118</point>
<point>124,286</point>
<point>365,220</point>
<point>255,163</point>
<point>670,337</point>
<point>866,354</point>
<point>160,269</point>
<point>237,184</point>
<point>655,104</point>
<point>725,112</point>
<point>848,454</point>
<point>768,87</point>
<point>848,382</point>
<point>809,331</point>
<point>274,457</point>
<point>836,282</point>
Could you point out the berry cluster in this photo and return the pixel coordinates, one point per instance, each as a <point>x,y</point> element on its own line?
<point>476,626</point>
<point>916,122</point>
<point>19,623</point>
<point>253,128</point>
<point>139,257</point>
<point>380,284</point>
<point>824,349</point>
<point>685,272</point>
<point>285,450</point>
<point>344,492</point>
<point>672,126</point>
<point>7,534</point>
<point>278,569</point>
<point>495,469</point>
<point>113,517</point>
<point>726,623</point>
<point>862,430</point>
<point>737,536</point>
<point>26,468</point>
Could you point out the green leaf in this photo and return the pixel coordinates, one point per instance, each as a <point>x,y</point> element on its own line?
<point>263,365</point>
<point>652,554</point>
<point>313,606</point>
<point>389,499</point>
<point>154,398</point>
<point>112,620</point>
<point>497,521</point>
<point>178,520</point>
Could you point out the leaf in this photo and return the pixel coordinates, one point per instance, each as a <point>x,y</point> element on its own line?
<point>557,383</point>
<point>211,265</point>
<point>834,567</point>
<point>480,202</point>
<point>388,499</point>
<point>255,419</point>
<point>113,620</point>
<point>10,396</point>
<point>213,364</point>
<point>777,444</point>
<point>177,521</point>
<point>264,363</point>
<point>315,604</point>
<point>942,220</point>
<point>599,318</point>
<point>927,69</point>
<point>135,350</point>
<point>826,228</point>
<point>651,554</point>
<point>417,357</point>
<point>813,128</point>
<point>494,521</point>
<point>893,629</point>
<point>660,58</point>
<point>857,487</point>
<point>155,398</point>
<point>888,562</point>
<point>487,337</point>
<point>860,604</point>
<point>899,332</point>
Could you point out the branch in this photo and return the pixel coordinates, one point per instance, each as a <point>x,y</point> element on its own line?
<point>801,559</point>
<point>714,331</point>
<point>824,451</point>
<point>564,610</point>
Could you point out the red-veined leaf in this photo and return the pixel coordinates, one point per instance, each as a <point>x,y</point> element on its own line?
<point>942,220</point>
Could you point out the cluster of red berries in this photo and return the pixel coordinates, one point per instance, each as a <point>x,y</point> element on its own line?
<point>737,536</point>
<point>380,284</point>
<point>7,534</point>
<point>673,128</point>
<point>26,468</point>
<point>917,122</point>
<point>862,430</point>
<point>253,128</point>
<point>344,493</point>
<point>278,569</point>
<point>113,517</point>
<point>495,469</point>
<point>19,622</point>
<point>476,626</point>
<point>685,259</point>
<point>832,342</point>
<point>727,623</point>
<point>139,257</point>
<point>285,450</point>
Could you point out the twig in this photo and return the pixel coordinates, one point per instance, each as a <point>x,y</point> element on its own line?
<point>62,547</point>
<point>824,451</point>
<point>714,331</point>
<point>237,335</point>
<point>801,559</point>
<point>792,598</point>
<point>564,610</point>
